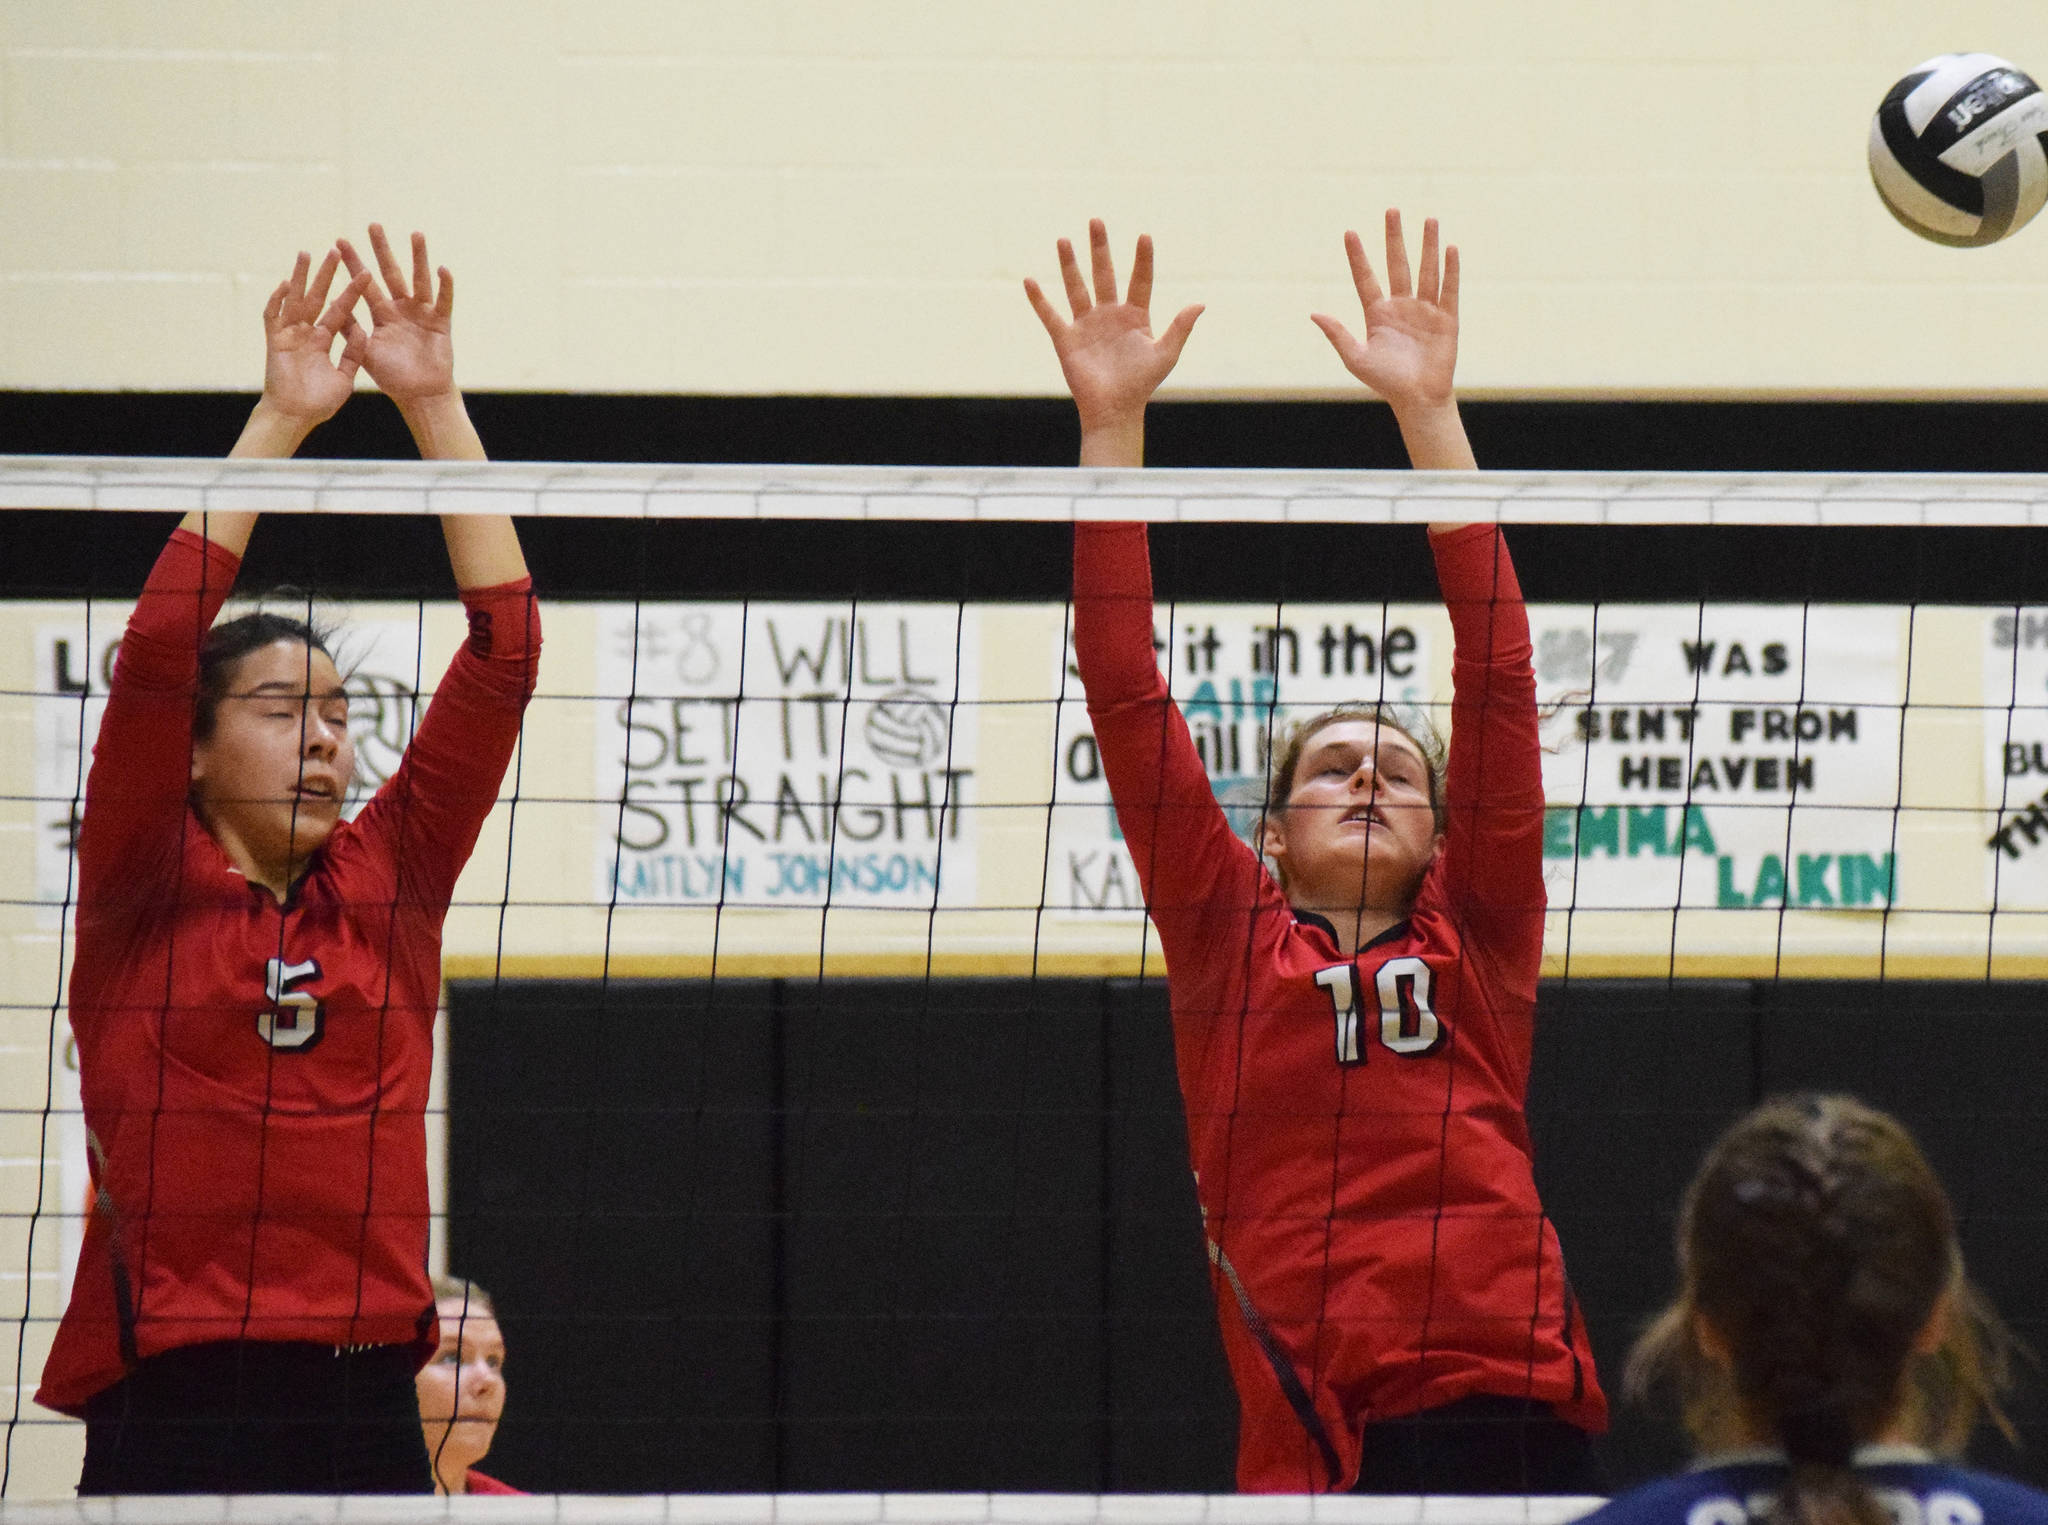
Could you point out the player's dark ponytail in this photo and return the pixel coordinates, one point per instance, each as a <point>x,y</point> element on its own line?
<point>225,646</point>
<point>1814,1246</point>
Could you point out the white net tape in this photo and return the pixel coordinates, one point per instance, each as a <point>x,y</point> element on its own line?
<point>890,493</point>
<point>812,1509</point>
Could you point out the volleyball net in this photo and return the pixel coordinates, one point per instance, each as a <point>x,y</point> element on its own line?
<point>806,1098</point>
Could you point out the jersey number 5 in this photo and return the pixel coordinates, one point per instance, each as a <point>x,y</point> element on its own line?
<point>295,1017</point>
<point>1408,1023</point>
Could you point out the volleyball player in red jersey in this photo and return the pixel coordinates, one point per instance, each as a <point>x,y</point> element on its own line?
<point>1352,1028</point>
<point>256,979</point>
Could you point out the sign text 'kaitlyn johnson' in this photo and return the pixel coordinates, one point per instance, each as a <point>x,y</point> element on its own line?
<point>703,877</point>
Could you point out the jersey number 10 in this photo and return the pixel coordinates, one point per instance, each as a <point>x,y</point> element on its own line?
<point>1408,1023</point>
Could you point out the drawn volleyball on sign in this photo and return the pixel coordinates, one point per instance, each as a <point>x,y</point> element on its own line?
<point>383,713</point>
<point>907,730</point>
<point>1959,149</point>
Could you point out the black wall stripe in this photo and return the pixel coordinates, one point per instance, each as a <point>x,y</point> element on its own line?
<point>1619,434</point>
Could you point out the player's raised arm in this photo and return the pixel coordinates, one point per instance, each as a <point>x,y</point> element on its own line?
<point>142,772</point>
<point>409,352</point>
<point>304,381</point>
<point>1107,352</point>
<point>1409,354</point>
<point>437,801</point>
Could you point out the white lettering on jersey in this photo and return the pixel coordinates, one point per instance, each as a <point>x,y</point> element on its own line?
<point>1408,1023</point>
<point>295,1017</point>
<point>1942,1508</point>
<point>1952,1509</point>
<point>1341,980</point>
<point>1945,1508</point>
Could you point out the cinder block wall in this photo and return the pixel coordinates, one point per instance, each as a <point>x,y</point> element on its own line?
<point>805,196</point>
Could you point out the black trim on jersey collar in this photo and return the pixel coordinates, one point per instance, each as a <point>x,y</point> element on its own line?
<point>290,902</point>
<point>269,897</point>
<point>1311,919</point>
<point>1398,930</point>
<point>1314,919</point>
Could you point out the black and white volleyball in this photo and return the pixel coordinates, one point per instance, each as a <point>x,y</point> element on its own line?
<point>1959,149</point>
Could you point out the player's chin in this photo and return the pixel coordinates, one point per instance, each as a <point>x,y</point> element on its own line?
<point>1392,875</point>
<point>1350,862</point>
<point>309,828</point>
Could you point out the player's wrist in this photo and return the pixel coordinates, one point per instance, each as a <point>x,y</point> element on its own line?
<point>1434,434</point>
<point>1117,440</point>
<point>276,429</point>
<point>428,407</point>
<point>440,424</point>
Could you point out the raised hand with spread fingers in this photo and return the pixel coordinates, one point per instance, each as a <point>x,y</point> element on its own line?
<point>304,381</point>
<point>1409,354</point>
<point>410,353</point>
<point>409,350</point>
<point>1107,352</point>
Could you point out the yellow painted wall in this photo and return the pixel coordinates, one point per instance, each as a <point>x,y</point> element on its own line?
<point>802,196</point>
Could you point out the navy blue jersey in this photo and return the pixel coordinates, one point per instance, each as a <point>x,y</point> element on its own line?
<point>1913,1489</point>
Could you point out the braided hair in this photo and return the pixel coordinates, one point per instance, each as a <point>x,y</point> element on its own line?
<point>1816,1248</point>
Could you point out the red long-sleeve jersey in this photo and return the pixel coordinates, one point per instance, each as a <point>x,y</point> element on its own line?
<point>255,1074</point>
<point>1356,1125</point>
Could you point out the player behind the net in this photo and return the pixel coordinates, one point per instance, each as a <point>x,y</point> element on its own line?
<point>1825,1341</point>
<point>256,978</point>
<point>1353,1028</point>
